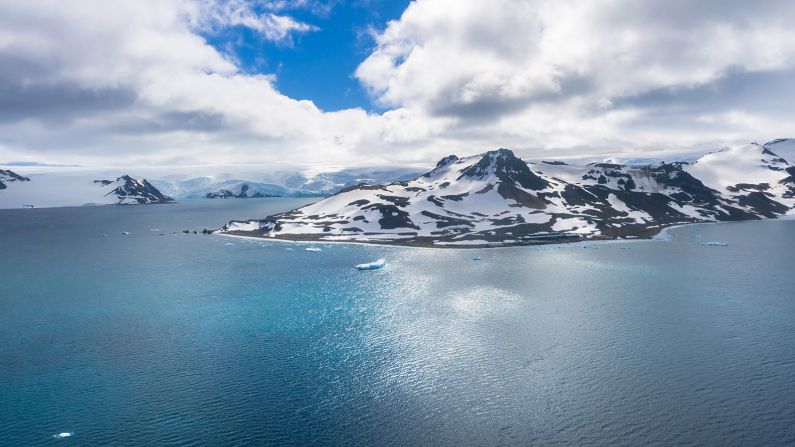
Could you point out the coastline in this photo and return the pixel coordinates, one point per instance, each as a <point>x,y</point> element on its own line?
<point>656,234</point>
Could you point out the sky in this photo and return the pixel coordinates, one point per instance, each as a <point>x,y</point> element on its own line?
<point>175,82</point>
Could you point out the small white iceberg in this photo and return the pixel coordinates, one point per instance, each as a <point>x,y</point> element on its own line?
<point>312,249</point>
<point>65,434</point>
<point>477,258</point>
<point>375,265</point>
<point>714,244</point>
<point>126,233</point>
<point>229,243</point>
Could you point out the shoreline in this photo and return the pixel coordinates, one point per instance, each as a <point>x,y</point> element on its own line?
<point>662,235</point>
<point>657,236</point>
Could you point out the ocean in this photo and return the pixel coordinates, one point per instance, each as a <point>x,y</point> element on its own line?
<point>154,338</point>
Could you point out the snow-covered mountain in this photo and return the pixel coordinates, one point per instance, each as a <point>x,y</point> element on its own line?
<point>783,147</point>
<point>127,191</point>
<point>497,199</point>
<point>242,182</point>
<point>52,186</point>
<point>76,190</point>
<point>8,176</point>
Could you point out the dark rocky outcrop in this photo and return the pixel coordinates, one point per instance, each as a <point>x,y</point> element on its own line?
<point>8,176</point>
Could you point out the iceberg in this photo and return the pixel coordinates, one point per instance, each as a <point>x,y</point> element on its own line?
<point>714,244</point>
<point>312,249</point>
<point>126,233</point>
<point>375,265</point>
<point>65,434</point>
<point>477,258</point>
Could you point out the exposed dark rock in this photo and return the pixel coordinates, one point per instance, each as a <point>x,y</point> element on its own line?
<point>446,221</point>
<point>435,201</point>
<point>486,189</point>
<point>243,194</point>
<point>360,202</point>
<point>455,197</point>
<point>397,200</point>
<point>507,167</point>
<point>392,217</point>
<point>509,191</point>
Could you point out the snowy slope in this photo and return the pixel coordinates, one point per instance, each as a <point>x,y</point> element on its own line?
<point>783,147</point>
<point>749,176</point>
<point>497,199</point>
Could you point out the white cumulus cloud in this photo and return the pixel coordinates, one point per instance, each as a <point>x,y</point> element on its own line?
<point>135,81</point>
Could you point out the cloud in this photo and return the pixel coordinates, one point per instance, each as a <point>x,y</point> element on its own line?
<point>135,81</point>
<point>78,81</point>
<point>555,73</point>
<point>271,26</point>
<point>448,59</point>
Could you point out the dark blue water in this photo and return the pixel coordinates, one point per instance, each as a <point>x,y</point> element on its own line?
<point>144,339</point>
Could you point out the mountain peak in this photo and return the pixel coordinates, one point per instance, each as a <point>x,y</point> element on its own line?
<point>783,147</point>
<point>131,190</point>
<point>507,167</point>
<point>779,140</point>
<point>446,161</point>
<point>10,176</point>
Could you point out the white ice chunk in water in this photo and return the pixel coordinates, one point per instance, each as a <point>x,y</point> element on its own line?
<point>65,434</point>
<point>375,265</point>
<point>312,249</point>
<point>714,244</point>
<point>477,258</point>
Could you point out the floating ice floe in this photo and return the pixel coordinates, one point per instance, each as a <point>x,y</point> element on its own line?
<point>714,244</point>
<point>126,233</point>
<point>229,243</point>
<point>477,258</point>
<point>312,249</point>
<point>65,434</point>
<point>375,265</point>
<point>154,229</point>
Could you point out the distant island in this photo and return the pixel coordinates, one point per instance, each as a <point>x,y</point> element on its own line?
<point>56,186</point>
<point>497,199</point>
<point>22,192</point>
